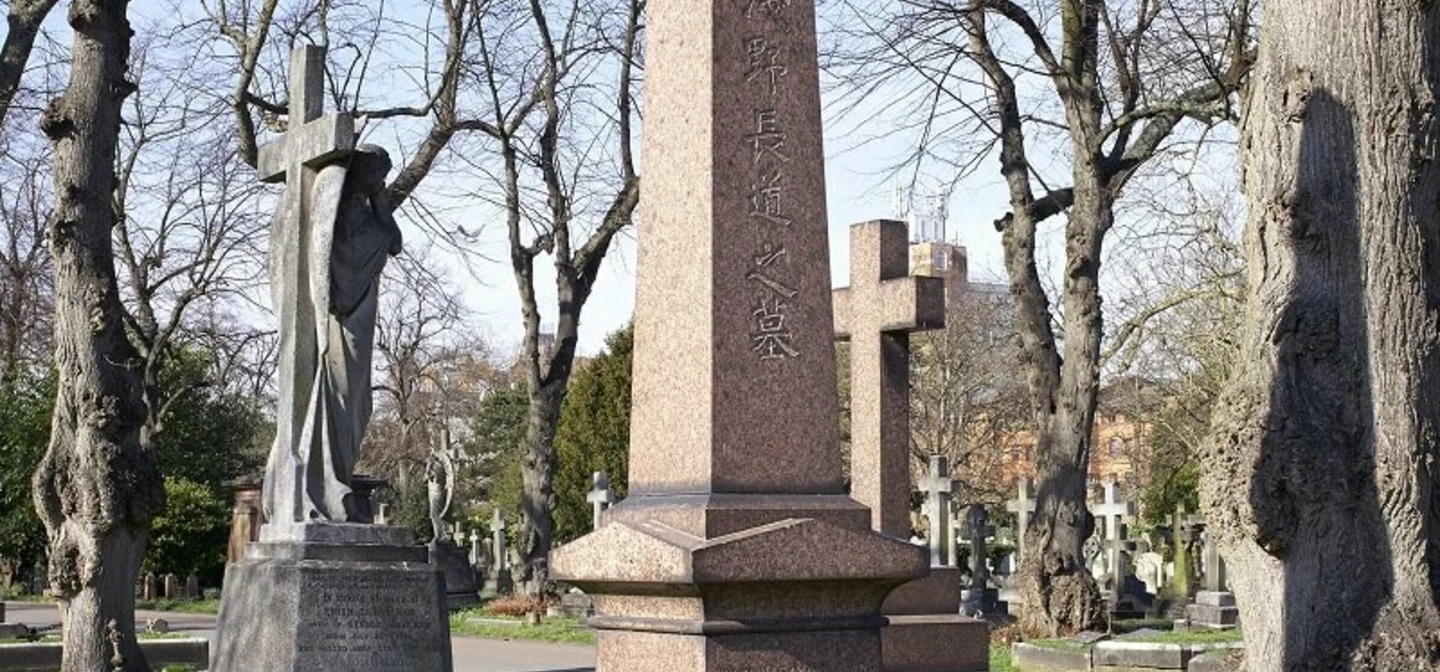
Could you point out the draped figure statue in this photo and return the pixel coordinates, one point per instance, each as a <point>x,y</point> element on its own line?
<point>332,284</point>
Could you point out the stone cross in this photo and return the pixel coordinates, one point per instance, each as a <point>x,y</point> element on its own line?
<point>883,305</point>
<point>311,139</point>
<point>957,531</point>
<point>936,486</point>
<point>1114,511</point>
<point>976,530</point>
<point>1022,506</point>
<point>600,497</point>
<point>384,517</point>
<point>497,541</point>
<point>477,553</point>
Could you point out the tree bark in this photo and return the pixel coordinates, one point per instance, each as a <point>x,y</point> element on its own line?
<point>98,486</point>
<point>23,24</point>
<point>1320,474</point>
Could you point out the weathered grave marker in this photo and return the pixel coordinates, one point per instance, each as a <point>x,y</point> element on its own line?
<point>1113,511</point>
<point>600,498</point>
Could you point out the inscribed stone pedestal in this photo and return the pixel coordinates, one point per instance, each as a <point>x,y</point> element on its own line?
<point>736,548</point>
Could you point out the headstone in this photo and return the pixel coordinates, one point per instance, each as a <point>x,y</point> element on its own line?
<point>499,581</point>
<point>246,516</point>
<point>736,504</point>
<point>1113,511</point>
<point>172,587</point>
<point>383,517</point>
<point>151,592</point>
<point>477,550</point>
<point>192,588</point>
<point>600,498</point>
<point>1150,569</point>
<point>1023,506</point>
<point>323,589</point>
<point>876,314</point>
<point>979,599</point>
<point>440,486</point>
<point>1134,599</point>
<point>1188,530</point>
<point>1214,565</point>
<point>936,486</point>
<point>1214,607</point>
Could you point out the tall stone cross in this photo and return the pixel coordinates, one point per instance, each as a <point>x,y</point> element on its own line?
<point>600,497</point>
<point>977,529</point>
<point>311,139</point>
<point>1114,511</point>
<point>497,540</point>
<point>936,486</point>
<point>883,305</point>
<point>1022,506</point>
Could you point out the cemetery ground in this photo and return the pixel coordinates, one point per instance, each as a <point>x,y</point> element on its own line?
<point>484,641</point>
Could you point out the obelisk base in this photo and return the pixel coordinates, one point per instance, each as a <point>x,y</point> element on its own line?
<point>797,587</point>
<point>926,632</point>
<point>333,598</point>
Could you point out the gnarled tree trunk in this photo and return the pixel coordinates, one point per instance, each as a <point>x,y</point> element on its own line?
<point>98,485</point>
<point>23,25</point>
<point>1321,472</point>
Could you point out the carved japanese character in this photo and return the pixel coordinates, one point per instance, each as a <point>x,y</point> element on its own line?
<point>765,64</point>
<point>768,138</point>
<point>765,197</point>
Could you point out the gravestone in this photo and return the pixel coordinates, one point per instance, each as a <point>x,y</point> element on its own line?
<point>446,547</point>
<point>1214,607</point>
<point>1023,506</point>
<point>1134,600</point>
<point>322,590</point>
<point>192,588</point>
<point>246,516</point>
<point>477,552</point>
<point>979,599</point>
<point>936,485</point>
<point>883,305</point>
<point>736,547</point>
<point>499,581</point>
<point>1188,531</point>
<point>600,498</point>
<point>382,517</point>
<point>1150,569</point>
<point>1113,511</point>
<point>151,591</point>
<point>172,587</point>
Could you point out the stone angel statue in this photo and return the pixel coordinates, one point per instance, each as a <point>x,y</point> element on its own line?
<point>440,486</point>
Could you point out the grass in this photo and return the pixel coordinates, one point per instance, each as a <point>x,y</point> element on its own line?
<point>186,606</point>
<point>482,623</point>
<point>1000,658</point>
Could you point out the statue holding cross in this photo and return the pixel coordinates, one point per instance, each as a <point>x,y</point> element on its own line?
<point>334,229</point>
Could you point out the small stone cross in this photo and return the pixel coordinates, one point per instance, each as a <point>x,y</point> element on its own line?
<point>936,486</point>
<point>497,541</point>
<point>883,305</point>
<point>1114,511</point>
<point>975,531</point>
<point>1022,506</point>
<point>600,497</point>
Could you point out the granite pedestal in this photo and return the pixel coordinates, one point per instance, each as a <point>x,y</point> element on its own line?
<point>925,631</point>
<point>461,589</point>
<point>1213,609</point>
<point>333,598</point>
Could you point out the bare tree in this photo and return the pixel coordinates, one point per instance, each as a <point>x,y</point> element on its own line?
<point>966,400</point>
<point>25,269</point>
<point>1109,84</point>
<point>98,486</point>
<point>24,20</point>
<point>563,136</point>
<point>1321,474</point>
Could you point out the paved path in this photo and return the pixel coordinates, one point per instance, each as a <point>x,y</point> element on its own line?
<point>471,654</point>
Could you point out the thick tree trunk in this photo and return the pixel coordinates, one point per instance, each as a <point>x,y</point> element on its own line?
<point>98,486</point>
<point>1321,472</point>
<point>23,24</point>
<point>537,530</point>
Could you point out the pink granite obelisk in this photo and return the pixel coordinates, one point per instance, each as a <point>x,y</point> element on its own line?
<point>737,548</point>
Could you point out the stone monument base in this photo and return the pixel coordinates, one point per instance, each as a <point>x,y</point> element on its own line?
<point>461,591</point>
<point>927,633</point>
<point>333,598</point>
<point>1213,609</point>
<point>712,583</point>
